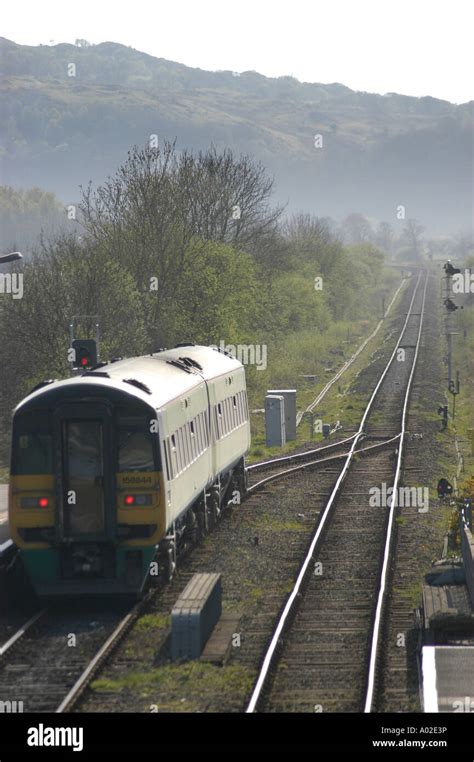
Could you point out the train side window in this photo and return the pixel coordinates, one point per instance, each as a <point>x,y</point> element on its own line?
<point>246,404</point>
<point>187,437</point>
<point>205,429</point>
<point>197,429</point>
<point>166,450</point>
<point>185,445</point>
<point>199,432</point>
<point>180,449</point>
<point>213,428</point>
<point>173,468</point>
<point>224,417</point>
<point>194,442</point>
<point>184,435</point>
<point>174,450</point>
<point>225,426</point>
<point>219,421</point>
<point>192,438</point>
<point>200,436</point>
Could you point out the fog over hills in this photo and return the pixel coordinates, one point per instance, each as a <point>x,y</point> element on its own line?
<point>374,153</point>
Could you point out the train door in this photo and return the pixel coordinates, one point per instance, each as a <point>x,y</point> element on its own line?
<point>85,473</point>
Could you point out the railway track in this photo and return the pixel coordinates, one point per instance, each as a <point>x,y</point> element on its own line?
<point>324,651</point>
<point>49,660</point>
<point>270,531</point>
<point>56,680</point>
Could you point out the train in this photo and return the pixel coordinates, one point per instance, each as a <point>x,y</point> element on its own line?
<point>115,470</point>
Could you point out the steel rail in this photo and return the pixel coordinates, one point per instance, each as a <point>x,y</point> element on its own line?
<point>376,630</point>
<point>19,633</point>
<point>86,676</point>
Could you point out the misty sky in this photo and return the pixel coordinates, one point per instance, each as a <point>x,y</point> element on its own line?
<point>414,47</point>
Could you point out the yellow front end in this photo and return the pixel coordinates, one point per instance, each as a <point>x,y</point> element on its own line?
<point>146,488</point>
<point>23,517</point>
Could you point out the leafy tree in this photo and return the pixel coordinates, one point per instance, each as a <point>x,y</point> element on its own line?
<point>65,278</point>
<point>27,214</point>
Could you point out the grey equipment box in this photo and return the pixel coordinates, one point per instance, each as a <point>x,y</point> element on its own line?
<point>194,616</point>
<point>289,395</point>
<point>275,435</point>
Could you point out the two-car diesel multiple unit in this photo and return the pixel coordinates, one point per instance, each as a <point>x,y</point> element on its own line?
<point>113,470</point>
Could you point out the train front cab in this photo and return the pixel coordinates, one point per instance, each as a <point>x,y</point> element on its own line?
<point>86,507</point>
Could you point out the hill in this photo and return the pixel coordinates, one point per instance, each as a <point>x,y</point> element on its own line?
<point>378,151</point>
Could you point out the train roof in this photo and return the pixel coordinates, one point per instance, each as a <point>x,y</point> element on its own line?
<point>154,379</point>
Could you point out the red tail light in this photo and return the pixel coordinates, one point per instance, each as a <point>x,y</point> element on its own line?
<point>34,502</point>
<point>139,500</point>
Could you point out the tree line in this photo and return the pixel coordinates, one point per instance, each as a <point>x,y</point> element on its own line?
<point>181,246</point>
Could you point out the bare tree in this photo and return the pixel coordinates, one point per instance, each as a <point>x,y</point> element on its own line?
<point>226,199</point>
<point>162,207</point>
<point>311,239</point>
